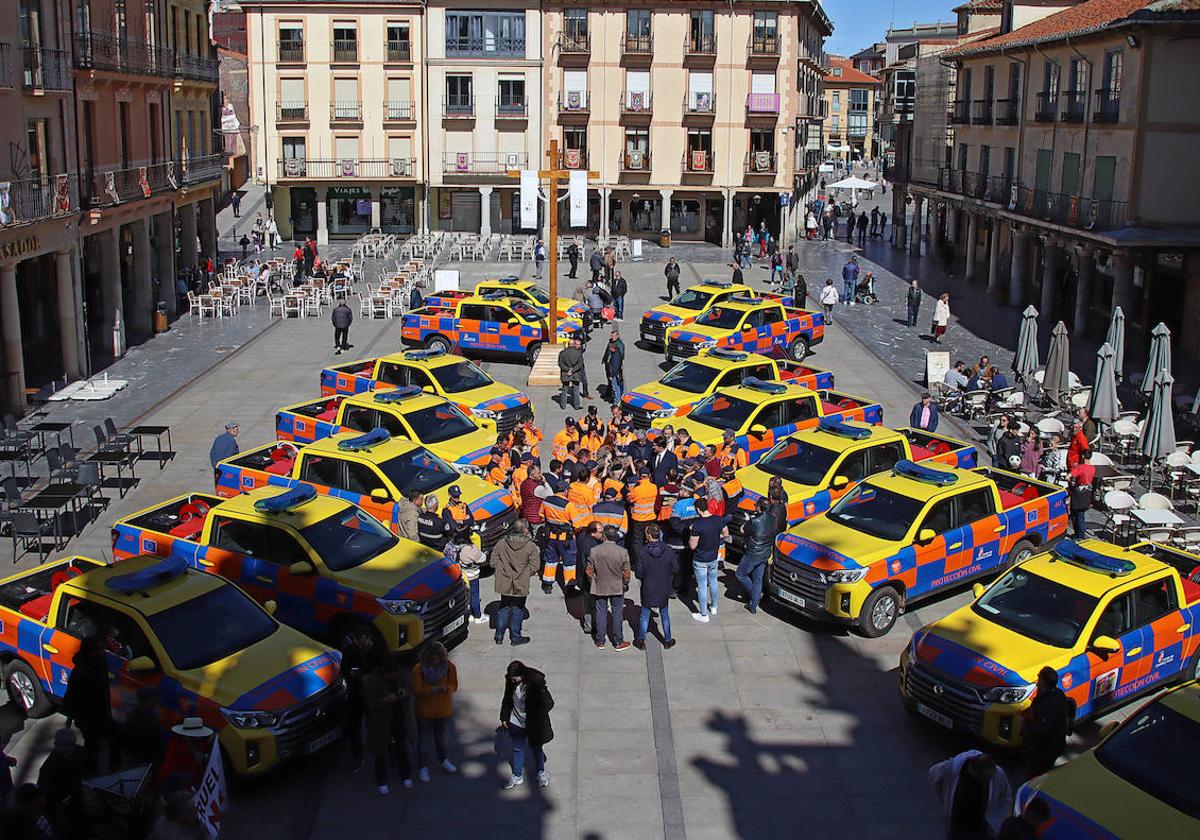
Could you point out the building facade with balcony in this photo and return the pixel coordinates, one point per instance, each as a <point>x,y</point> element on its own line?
<point>485,104</point>
<point>850,111</point>
<point>40,299</point>
<point>691,116</point>
<point>336,103</point>
<point>1062,187</point>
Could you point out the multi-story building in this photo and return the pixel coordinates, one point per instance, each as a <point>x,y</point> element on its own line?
<point>870,60</point>
<point>698,120</point>
<point>1065,186</point>
<point>336,97</point>
<point>850,110</point>
<point>40,303</point>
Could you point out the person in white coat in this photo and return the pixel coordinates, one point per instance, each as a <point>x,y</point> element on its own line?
<point>829,299</point>
<point>973,795</point>
<point>941,316</point>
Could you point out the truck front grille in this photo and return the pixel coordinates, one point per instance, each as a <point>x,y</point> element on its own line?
<point>496,527</point>
<point>305,722</point>
<point>959,702</point>
<point>443,608</point>
<point>799,580</point>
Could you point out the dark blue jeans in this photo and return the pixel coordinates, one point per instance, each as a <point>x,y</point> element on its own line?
<point>476,608</point>
<point>1079,523</point>
<point>750,575</point>
<point>510,616</point>
<point>603,604</point>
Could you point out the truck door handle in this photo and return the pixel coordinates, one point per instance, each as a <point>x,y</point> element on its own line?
<point>206,563</point>
<point>999,529</point>
<point>263,579</point>
<point>1183,628</point>
<point>956,545</point>
<point>50,648</point>
<point>1133,651</point>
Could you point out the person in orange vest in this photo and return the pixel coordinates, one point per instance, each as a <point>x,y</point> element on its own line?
<point>733,455</point>
<point>643,499</point>
<point>622,436</point>
<point>591,440</point>
<point>593,424</point>
<point>558,514</point>
<point>569,432</point>
<point>583,496</point>
<point>456,514</point>
<point>520,470</point>
<point>529,435</point>
<point>614,479</point>
<point>611,511</point>
<point>685,447</point>
<point>495,470</point>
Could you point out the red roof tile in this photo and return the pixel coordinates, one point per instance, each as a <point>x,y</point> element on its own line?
<point>1083,19</point>
<point>849,76</point>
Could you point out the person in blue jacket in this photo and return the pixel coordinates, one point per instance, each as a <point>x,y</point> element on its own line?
<point>924,415</point>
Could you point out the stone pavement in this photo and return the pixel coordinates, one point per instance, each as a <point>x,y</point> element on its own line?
<point>752,725</point>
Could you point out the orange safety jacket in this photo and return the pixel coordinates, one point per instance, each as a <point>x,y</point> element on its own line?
<point>558,449</point>
<point>558,514</point>
<point>643,497</point>
<point>611,513</point>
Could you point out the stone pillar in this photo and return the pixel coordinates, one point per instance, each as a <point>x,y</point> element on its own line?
<point>10,326</point>
<point>140,325</point>
<point>1083,291</point>
<point>164,261</point>
<point>952,226</point>
<point>1123,291</point>
<point>727,220</point>
<point>899,220</point>
<point>972,237</point>
<point>1050,254</point>
<point>1019,269</point>
<point>110,291</point>
<point>993,281</point>
<point>935,230</point>
<point>69,332</point>
<point>322,218</point>
<point>206,218</point>
<point>187,236</point>
<point>666,209</point>
<point>376,193</point>
<point>485,211</point>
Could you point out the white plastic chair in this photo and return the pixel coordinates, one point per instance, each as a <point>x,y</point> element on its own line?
<point>1050,425</point>
<point>1099,459</point>
<point>1118,503</point>
<point>275,305</point>
<point>1154,501</point>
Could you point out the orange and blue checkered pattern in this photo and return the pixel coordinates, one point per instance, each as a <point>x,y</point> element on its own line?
<point>766,339</point>
<point>293,685</point>
<point>470,334</point>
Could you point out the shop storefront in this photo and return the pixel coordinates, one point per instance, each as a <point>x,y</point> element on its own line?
<point>349,211</point>
<point>303,212</point>
<point>398,210</point>
<point>752,209</point>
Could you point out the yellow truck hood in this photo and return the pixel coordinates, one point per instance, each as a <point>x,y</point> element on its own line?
<point>471,448</point>
<point>282,669</point>
<point>654,396</point>
<point>381,575</point>
<point>826,545</point>
<point>995,649</point>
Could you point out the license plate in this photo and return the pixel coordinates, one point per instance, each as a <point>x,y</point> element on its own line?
<point>647,337</point>
<point>324,741</point>
<point>935,716</point>
<point>454,625</point>
<point>789,597</point>
<point>671,357</point>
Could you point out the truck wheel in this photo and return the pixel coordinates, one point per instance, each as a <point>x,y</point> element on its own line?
<point>799,349</point>
<point>532,352</point>
<point>1192,671</point>
<point>25,690</point>
<point>438,342</point>
<point>879,612</point>
<point>1021,552</point>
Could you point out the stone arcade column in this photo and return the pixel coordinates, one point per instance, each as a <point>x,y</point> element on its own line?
<point>164,266</point>
<point>70,335</point>
<point>140,325</point>
<point>10,326</point>
<point>972,237</point>
<point>322,217</point>
<point>485,211</point>
<point>1019,271</point>
<point>1083,291</point>
<point>666,208</point>
<point>206,219</point>
<point>1122,272</point>
<point>110,291</point>
<point>993,280</point>
<point>187,236</point>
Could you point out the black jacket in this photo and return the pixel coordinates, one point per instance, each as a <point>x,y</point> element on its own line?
<point>570,365</point>
<point>1006,448</point>
<point>342,317</point>
<point>759,536</point>
<point>619,287</point>
<point>1045,732</point>
<point>657,565</point>
<point>538,704</point>
<point>914,297</point>
<point>778,511</point>
<point>671,271</point>
<point>432,530</point>
<point>659,471</point>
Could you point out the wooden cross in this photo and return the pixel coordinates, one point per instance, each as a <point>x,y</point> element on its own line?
<point>553,175</point>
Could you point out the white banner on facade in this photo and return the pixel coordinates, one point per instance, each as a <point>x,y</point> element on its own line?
<point>529,198</point>
<point>577,198</point>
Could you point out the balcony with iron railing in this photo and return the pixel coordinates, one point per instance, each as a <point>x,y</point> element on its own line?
<point>981,112</point>
<point>1108,106</point>
<point>346,111</point>
<point>105,187</point>
<point>1060,208</point>
<point>761,162</point>
<point>292,112</point>
<point>46,69</point>
<point>291,52</point>
<point>574,103</point>
<point>1008,111</point>
<point>637,103</point>
<point>512,107</point>
<point>633,162</point>
<point>101,51</point>
<point>762,104</point>
<point>36,199</point>
<point>485,46</point>
<point>637,46</point>
<point>6,69</point>
<point>483,163</point>
<point>764,47</point>
<point>344,50</point>
<point>197,170</point>
<point>458,107</point>
<point>347,168</point>
<point>1074,103</point>
<point>574,47</point>
<point>399,110</point>
<point>399,50</point>
<point>700,47</point>
<point>697,162</point>
<point>198,68</point>
<point>1047,107</point>
<point>700,104</point>
<point>959,112</point>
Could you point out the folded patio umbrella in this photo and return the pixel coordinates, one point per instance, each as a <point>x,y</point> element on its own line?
<point>1105,407</point>
<point>1116,340</point>
<point>1026,361</point>
<point>1158,435</point>
<point>1056,382</point>
<point>1160,357</point>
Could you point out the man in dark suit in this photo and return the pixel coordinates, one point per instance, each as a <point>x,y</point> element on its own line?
<point>663,461</point>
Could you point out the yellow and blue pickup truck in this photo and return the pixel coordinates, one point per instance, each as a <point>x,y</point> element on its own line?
<point>270,693</point>
<point>432,421</point>
<point>526,290</point>
<point>762,413</point>
<point>374,471</point>
<point>457,379</point>
<point>818,466</point>
<point>334,571</point>
<point>753,324</point>
<point>493,324</point>
<point>909,534</point>
<point>685,307</point>
<point>1113,622</point>
<point>683,386</point>
<point>1137,782</point>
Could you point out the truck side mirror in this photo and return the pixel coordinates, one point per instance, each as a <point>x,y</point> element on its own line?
<point>270,607</point>
<point>1106,644</point>
<point>428,389</point>
<point>839,482</point>
<point>301,567</point>
<point>513,322</point>
<point>140,665</point>
<point>758,430</point>
<point>380,495</point>
<point>926,536</point>
<point>977,590</point>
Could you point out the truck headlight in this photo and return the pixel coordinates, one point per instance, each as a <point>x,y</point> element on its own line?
<point>1009,694</point>
<point>674,322</point>
<point>250,719</point>
<point>401,606</point>
<point>846,575</point>
<point>663,412</point>
<point>485,413</point>
<point>704,345</point>
<point>468,469</point>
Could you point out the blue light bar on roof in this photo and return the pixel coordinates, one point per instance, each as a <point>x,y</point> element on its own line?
<point>731,355</point>
<point>744,299</point>
<point>508,279</point>
<point>756,384</point>
<point>427,353</point>
<point>836,427</point>
<point>919,473</point>
<point>374,437</point>
<point>289,500</point>
<point>164,570</point>
<point>720,284</point>
<point>1095,561</point>
<point>404,392</point>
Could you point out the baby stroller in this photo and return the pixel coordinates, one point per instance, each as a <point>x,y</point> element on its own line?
<point>864,292</point>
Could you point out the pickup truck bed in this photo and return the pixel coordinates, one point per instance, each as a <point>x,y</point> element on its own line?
<point>33,594</point>
<point>803,374</point>
<point>181,518</point>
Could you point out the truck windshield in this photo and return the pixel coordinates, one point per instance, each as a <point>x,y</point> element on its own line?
<point>439,422</point>
<point>875,511</point>
<point>1140,753</point>
<point>691,299</point>
<point>721,316</point>
<point>420,470</point>
<point>690,377</point>
<point>539,295</point>
<point>801,463</point>
<point>723,412</point>
<point>1036,607</point>
<point>525,311</point>
<point>348,539</point>
<point>461,376</point>
<point>231,621</point>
